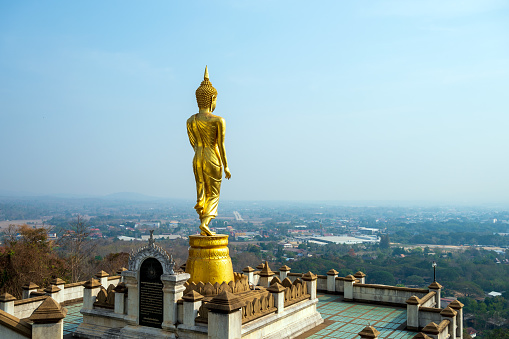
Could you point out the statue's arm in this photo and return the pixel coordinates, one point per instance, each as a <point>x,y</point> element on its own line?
<point>190,134</point>
<point>220,144</point>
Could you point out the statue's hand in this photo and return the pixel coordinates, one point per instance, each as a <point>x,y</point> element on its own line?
<point>227,173</point>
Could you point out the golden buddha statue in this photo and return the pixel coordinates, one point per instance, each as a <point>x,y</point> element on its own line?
<point>206,133</point>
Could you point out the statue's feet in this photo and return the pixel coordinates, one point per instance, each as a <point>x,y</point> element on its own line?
<point>205,230</point>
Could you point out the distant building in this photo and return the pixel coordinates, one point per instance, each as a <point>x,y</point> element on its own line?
<point>147,224</point>
<point>345,239</point>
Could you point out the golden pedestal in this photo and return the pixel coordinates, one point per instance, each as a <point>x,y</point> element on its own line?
<point>209,259</point>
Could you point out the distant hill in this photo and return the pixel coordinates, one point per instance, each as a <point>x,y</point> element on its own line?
<point>129,196</point>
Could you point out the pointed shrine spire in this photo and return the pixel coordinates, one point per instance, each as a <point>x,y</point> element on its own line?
<point>206,76</point>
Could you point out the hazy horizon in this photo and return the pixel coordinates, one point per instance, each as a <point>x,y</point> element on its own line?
<point>330,101</point>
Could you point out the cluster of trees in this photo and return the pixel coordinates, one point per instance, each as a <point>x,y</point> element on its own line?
<point>450,233</point>
<point>28,255</point>
<point>484,315</point>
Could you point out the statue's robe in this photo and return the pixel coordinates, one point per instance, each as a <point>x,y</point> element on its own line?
<point>204,134</point>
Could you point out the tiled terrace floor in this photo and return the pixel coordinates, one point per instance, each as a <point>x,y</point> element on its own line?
<point>72,319</point>
<point>343,320</point>
<point>346,319</point>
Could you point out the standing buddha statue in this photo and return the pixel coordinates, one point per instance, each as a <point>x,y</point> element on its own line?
<point>206,133</point>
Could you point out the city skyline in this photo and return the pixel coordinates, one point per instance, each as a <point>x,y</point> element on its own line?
<point>386,101</point>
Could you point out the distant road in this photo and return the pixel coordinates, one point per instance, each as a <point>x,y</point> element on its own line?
<point>237,216</point>
<point>449,247</point>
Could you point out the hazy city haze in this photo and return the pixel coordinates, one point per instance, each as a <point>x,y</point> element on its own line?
<point>332,100</point>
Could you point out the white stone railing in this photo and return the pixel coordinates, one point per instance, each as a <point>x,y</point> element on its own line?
<point>73,291</point>
<point>386,294</point>
<point>25,307</point>
<point>428,315</point>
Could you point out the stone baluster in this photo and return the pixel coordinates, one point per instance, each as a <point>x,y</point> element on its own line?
<point>278,291</point>
<point>92,288</point>
<point>133,300</point>
<point>412,313</point>
<point>349,280</point>
<point>431,330</point>
<point>249,272</point>
<point>361,277</point>
<point>369,332</point>
<point>283,272</point>
<point>331,280</point>
<point>7,303</point>
<point>29,288</point>
<point>119,272</point>
<point>103,278</point>
<point>192,303</point>
<point>173,288</point>
<point>225,316</point>
<point>53,292</point>
<point>458,307</point>
<point>60,295</point>
<point>266,275</point>
<point>120,291</point>
<point>310,279</point>
<point>48,320</point>
<point>436,287</point>
<point>449,314</point>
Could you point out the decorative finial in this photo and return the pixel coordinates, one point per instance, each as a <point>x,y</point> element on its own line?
<point>205,92</point>
<point>172,265</point>
<point>151,239</point>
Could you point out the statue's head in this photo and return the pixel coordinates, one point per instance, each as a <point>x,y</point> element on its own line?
<point>206,94</point>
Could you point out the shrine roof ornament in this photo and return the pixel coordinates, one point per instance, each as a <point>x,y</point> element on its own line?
<point>151,250</point>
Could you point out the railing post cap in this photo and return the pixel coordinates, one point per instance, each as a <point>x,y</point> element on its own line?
<point>6,297</point>
<point>57,281</point>
<point>52,289</point>
<point>332,272</point>
<point>309,276</point>
<point>225,302</point>
<point>266,271</point>
<point>448,312</point>
<point>101,274</point>
<point>30,286</point>
<point>359,275</point>
<point>284,268</point>
<point>120,288</point>
<point>92,283</point>
<point>48,312</point>
<point>431,328</point>
<point>435,286</point>
<point>276,288</point>
<point>413,300</point>
<point>349,278</point>
<point>192,296</point>
<point>456,305</point>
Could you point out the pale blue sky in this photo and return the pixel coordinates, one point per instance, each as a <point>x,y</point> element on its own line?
<point>323,100</point>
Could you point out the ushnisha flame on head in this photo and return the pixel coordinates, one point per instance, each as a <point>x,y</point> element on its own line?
<point>205,92</point>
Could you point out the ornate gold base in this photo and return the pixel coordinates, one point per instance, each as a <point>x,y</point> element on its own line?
<point>209,259</point>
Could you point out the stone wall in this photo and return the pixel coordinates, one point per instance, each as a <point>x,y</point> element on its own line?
<point>25,307</point>
<point>386,294</point>
<point>428,314</point>
<point>340,285</point>
<point>73,291</point>
<point>321,283</point>
<point>13,327</point>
